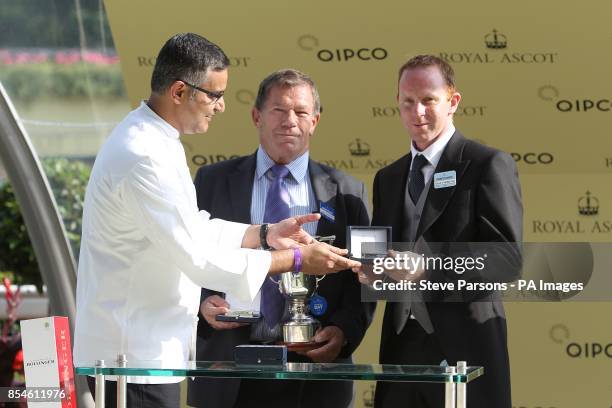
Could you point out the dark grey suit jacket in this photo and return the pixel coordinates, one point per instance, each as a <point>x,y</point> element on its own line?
<point>225,190</point>
<point>484,206</point>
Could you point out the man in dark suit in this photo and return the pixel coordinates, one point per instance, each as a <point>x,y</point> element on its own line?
<point>447,190</point>
<point>286,113</point>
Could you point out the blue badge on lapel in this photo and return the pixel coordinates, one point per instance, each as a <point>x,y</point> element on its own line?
<point>327,212</point>
<point>445,179</point>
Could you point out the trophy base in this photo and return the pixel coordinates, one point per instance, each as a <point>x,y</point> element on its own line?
<point>311,345</point>
<point>300,330</point>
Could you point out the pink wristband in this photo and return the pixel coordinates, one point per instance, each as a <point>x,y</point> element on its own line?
<point>297,260</point>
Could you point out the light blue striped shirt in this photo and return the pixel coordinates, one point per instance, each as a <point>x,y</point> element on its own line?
<point>301,195</point>
<point>302,201</point>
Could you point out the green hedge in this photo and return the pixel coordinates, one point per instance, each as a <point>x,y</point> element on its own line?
<point>68,180</point>
<point>26,82</point>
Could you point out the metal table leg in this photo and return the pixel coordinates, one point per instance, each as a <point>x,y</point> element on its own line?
<point>450,397</point>
<point>100,386</point>
<point>462,386</point>
<point>121,383</point>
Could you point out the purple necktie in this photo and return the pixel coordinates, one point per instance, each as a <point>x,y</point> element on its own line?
<point>277,209</point>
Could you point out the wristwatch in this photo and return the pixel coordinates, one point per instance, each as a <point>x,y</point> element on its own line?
<point>263,237</point>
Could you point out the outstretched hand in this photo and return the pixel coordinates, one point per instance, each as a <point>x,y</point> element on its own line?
<point>321,258</point>
<point>289,233</point>
<point>404,270</point>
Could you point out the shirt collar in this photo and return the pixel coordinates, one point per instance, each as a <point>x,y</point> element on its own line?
<point>297,167</point>
<point>433,153</point>
<point>165,127</point>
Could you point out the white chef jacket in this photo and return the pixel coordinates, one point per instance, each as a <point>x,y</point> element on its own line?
<point>146,250</point>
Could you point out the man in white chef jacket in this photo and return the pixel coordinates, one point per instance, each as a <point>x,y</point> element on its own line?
<point>146,249</point>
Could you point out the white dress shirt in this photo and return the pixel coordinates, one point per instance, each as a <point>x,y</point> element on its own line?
<point>146,250</point>
<point>433,152</point>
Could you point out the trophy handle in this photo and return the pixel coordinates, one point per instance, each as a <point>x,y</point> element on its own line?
<point>318,279</point>
<point>329,240</point>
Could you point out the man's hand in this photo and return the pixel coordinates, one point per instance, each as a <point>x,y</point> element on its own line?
<point>320,258</point>
<point>213,306</point>
<point>399,266</point>
<point>289,233</point>
<point>366,275</point>
<point>333,338</point>
<point>408,266</point>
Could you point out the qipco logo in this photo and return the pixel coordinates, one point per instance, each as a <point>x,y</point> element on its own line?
<point>551,93</point>
<point>589,350</point>
<point>533,158</point>
<point>584,105</point>
<point>203,160</point>
<point>347,54</point>
<point>310,43</point>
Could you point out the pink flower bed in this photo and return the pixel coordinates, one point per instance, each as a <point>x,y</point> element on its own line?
<point>62,57</point>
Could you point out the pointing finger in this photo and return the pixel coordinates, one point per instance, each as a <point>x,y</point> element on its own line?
<point>306,218</point>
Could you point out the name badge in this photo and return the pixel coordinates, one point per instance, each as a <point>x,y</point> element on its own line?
<point>445,179</point>
<point>327,212</point>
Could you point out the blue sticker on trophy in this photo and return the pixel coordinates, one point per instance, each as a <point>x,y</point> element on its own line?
<point>445,179</point>
<point>317,305</point>
<point>327,212</point>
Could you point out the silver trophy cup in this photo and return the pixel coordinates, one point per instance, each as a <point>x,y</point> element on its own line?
<point>298,287</point>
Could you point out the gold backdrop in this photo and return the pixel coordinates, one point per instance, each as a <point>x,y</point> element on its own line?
<point>534,76</point>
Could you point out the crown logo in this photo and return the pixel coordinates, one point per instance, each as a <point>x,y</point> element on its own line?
<point>495,40</point>
<point>359,148</point>
<point>588,205</point>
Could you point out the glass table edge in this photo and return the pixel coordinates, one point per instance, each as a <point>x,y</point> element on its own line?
<point>473,372</point>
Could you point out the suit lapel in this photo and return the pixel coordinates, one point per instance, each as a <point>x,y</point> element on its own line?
<point>325,190</point>
<point>395,189</point>
<point>437,199</point>
<point>240,185</point>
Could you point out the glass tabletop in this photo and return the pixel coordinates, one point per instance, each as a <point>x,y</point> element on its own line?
<point>302,371</point>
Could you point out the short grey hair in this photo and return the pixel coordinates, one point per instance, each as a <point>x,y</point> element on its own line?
<point>286,78</point>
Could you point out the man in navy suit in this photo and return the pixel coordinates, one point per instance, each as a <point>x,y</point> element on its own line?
<point>448,190</point>
<point>286,113</point>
